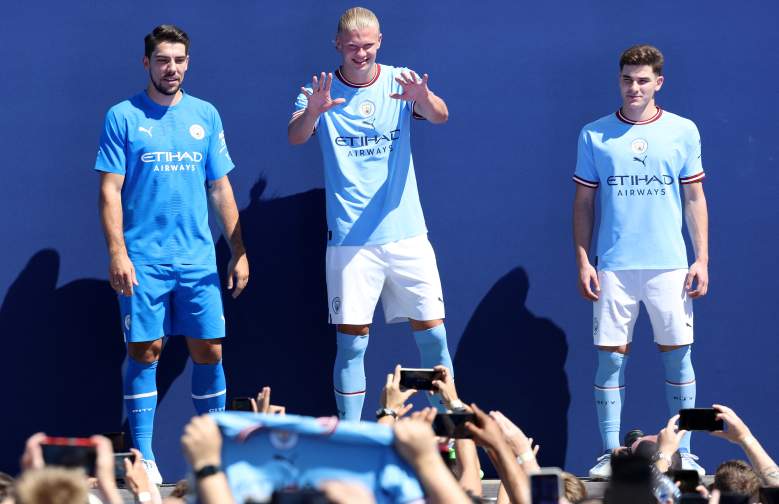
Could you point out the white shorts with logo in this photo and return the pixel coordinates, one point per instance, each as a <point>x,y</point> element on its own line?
<point>403,274</point>
<point>664,296</point>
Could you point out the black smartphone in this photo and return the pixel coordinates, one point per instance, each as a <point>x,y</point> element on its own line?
<point>688,480</point>
<point>416,378</point>
<point>769,495</point>
<point>299,496</point>
<point>693,498</point>
<point>70,452</point>
<point>241,404</point>
<point>733,498</point>
<point>546,486</point>
<point>119,472</point>
<point>700,419</point>
<point>452,425</point>
<point>117,441</point>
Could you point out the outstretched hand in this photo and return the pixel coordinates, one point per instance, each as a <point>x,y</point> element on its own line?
<point>393,397</point>
<point>319,99</point>
<point>414,88</point>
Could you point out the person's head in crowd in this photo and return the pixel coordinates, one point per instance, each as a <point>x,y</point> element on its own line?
<point>575,491</point>
<point>736,476</point>
<point>646,447</point>
<point>631,479</point>
<point>51,485</point>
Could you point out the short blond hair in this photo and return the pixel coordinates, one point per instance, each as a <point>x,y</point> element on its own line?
<point>575,490</point>
<point>357,18</point>
<point>51,485</point>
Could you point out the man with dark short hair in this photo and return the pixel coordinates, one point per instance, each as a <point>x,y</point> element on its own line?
<point>162,160</point>
<point>645,161</point>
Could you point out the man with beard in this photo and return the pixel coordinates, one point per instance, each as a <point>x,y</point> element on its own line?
<point>158,151</point>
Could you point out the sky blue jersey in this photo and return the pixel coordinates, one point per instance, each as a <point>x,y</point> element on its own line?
<point>639,168</point>
<point>166,155</point>
<point>262,453</point>
<point>370,187</point>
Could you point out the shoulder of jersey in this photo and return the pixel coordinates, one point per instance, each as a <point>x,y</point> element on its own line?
<point>683,122</point>
<point>600,122</point>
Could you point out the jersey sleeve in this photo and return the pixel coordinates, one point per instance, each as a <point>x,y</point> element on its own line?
<point>585,173</point>
<point>112,151</point>
<point>218,162</point>
<point>692,171</point>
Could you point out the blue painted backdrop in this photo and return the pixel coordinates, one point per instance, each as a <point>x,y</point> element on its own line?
<point>520,79</point>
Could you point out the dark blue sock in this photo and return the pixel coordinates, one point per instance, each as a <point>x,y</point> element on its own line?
<point>209,389</point>
<point>140,399</point>
<point>349,375</point>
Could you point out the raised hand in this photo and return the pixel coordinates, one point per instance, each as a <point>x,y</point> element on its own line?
<point>737,431</point>
<point>394,398</point>
<point>414,88</point>
<point>319,99</point>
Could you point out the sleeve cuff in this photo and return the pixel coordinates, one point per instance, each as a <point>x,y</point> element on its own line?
<point>585,182</point>
<point>698,177</point>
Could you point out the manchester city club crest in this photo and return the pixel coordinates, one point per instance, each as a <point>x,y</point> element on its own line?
<point>336,305</point>
<point>367,108</point>
<point>197,131</point>
<point>639,146</point>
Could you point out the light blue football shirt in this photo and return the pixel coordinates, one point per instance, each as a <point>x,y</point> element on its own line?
<point>262,453</point>
<point>370,187</point>
<point>639,167</point>
<point>166,155</point>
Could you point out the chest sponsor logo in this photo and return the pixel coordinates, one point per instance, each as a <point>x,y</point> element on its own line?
<point>368,145</point>
<point>173,161</point>
<point>197,132</point>
<point>640,185</point>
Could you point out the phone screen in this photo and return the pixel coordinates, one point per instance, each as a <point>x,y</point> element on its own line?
<point>545,488</point>
<point>70,452</point>
<point>769,495</point>
<point>700,419</point>
<point>241,404</point>
<point>119,471</point>
<point>688,480</point>
<point>419,379</point>
<point>452,425</point>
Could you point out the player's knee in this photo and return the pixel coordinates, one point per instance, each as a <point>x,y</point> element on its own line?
<point>621,349</point>
<point>422,325</point>
<point>205,351</point>
<point>669,348</point>
<point>353,330</point>
<point>145,352</point>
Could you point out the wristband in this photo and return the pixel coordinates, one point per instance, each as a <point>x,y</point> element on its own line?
<point>206,471</point>
<point>457,406</point>
<point>663,456</point>
<point>748,441</point>
<point>526,456</point>
<point>143,497</point>
<point>382,412</point>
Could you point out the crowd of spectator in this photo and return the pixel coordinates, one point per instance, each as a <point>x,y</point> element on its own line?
<point>448,470</point>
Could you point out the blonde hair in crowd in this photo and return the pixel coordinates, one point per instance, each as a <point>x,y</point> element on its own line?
<point>51,485</point>
<point>357,18</point>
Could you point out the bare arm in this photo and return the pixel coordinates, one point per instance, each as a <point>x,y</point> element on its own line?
<point>468,466</point>
<point>121,272</point>
<point>202,444</point>
<point>220,194</point>
<point>426,103</point>
<point>302,124</point>
<point>583,219</point>
<point>738,433</point>
<point>432,107</point>
<point>697,216</point>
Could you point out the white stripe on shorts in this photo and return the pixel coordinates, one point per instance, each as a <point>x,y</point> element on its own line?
<point>141,396</point>
<point>209,396</point>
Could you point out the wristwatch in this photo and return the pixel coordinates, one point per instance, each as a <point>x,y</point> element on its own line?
<point>206,471</point>
<point>457,406</point>
<point>382,412</point>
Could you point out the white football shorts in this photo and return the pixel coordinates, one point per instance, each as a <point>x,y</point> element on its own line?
<point>664,296</point>
<point>403,274</point>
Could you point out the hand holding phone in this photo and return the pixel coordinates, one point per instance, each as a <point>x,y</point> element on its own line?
<point>119,468</point>
<point>452,425</point>
<point>688,480</point>
<point>70,452</point>
<point>241,404</point>
<point>546,486</point>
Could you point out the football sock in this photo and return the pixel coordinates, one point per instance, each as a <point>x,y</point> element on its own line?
<point>209,389</point>
<point>433,351</point>
<point>679,384</point>
<point>349,375</point>
<point>140,399</point>
<point>609,396</point>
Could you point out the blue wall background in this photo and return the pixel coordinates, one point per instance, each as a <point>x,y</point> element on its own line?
<point>520,79</point>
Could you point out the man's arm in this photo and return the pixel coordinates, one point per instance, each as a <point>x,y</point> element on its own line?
<point>121,272</point>
<point>697,216</point>
<point>319,101</point>
<point>583,219</point>
<point>426,103</point>
<point>220,193</point>
<point>738,433</point>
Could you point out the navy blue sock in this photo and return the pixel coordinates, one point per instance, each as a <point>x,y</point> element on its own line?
<point>209,389</point>
<point>433,351</point>
<point>140,399</point>
<point>680,385</point>
<point>609,396</point>
<point>349,375</point>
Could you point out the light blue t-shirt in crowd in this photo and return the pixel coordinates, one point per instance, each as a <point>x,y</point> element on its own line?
<point>166,155</point>
<point>370,187</point>
<point>639,168</point>
<point>262,453</point>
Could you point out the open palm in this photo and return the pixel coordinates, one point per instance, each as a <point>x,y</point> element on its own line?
<point>414,88</point>
<point>319,99</point>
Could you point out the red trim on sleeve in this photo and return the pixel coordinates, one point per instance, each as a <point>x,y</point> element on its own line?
<point>585,182</point>
<point>698,177</point>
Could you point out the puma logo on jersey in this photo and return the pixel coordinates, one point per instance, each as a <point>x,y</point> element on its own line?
<point>147,131</point>
<point>640,160</point>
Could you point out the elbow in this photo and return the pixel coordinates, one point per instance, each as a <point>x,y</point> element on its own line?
<point>442,118</point>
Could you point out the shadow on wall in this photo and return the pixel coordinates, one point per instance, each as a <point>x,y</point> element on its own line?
<point>510,360</point>
<point>277,329</point>
<point>63,354</point>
